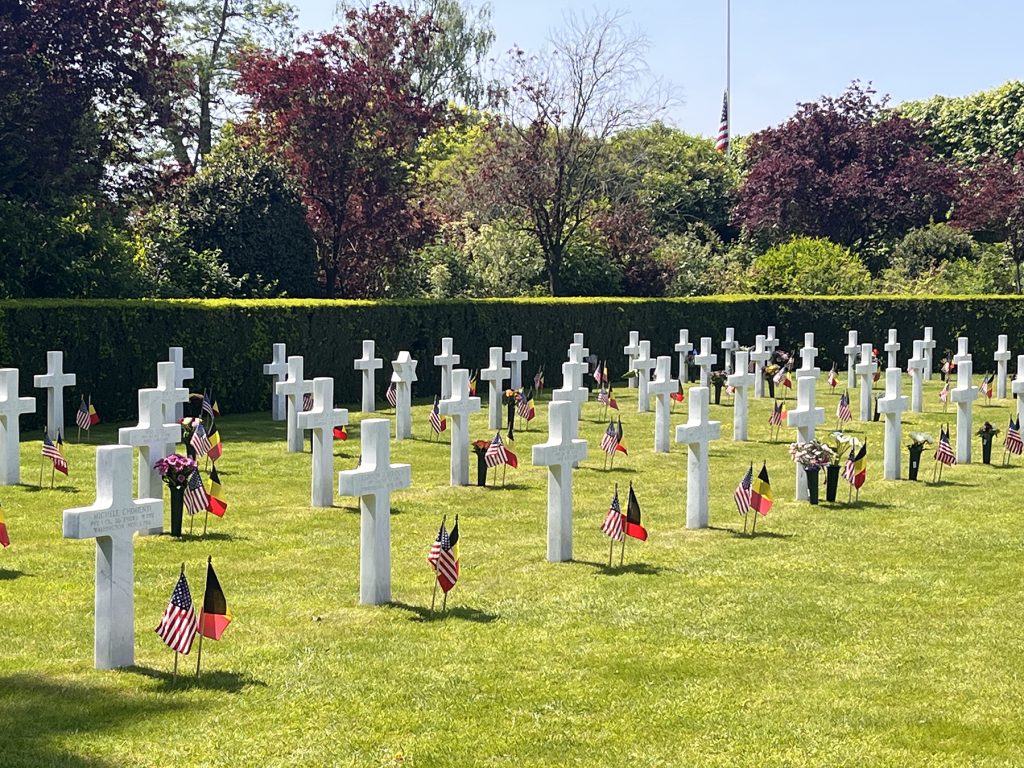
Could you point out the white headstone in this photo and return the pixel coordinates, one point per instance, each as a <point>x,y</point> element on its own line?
<point>759,357</point>
<point>1018,387</point>
<point>866,371</point>
<point>446,361</point>
<point>807,355</point>
<point>11,409</point>
<point>892,407</point>
<point>964,395</point>
<point>852,349</point>
<point>515,357</point>
<point>729,345</point>
<point>293,388</point>
<point>403,377</point>
<point>643,365</point>
<point>770,341</point>
<point>805,417</point>
<point>495,375</point>
<point>929,349</point>
<point>170,395</point>
<point>373,481</point>
<point>742,380</point>
<point>569,392</point>
<point>892,348</point>
<point>962,354</point>
<point>459,407</point>
<point>322,418</point>
<point>278,369</point>
<point>705,360</point>
<point>683,348</point>
<point>154,436</point>
<point>1002,358</point>
<point>113,521</point>
<point>54,381</point>
<point>662,389</point>
<point>181,375</point>
<point>559,454</point>
<point>577,338</point>
<point>631,350</point>
<point>369,364</point>
<point>916,368</point>
<point>696,433</point>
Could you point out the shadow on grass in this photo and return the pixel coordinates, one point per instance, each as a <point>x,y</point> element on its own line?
<point>739,534</point>
<point>11,575</point>
<point>640,569</point>
<point>44,487</point>
<point>197,535</point>
<point>500,487</point>
<point>611,470</point>
<point>214,680</point>
<point>42,716</point>
<point>859,504</point>
<point>461,612</point>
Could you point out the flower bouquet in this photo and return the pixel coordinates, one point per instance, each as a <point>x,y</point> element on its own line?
<point>918,442</point>
<point>987,433</point>
<point>175,470</point>
<point>840,444</point>
<point>718,380</point>
<point>812,456</point>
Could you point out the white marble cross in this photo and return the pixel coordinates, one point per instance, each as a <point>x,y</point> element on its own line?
<point>964,395</point>
<point>54,381</point>
<point>278,369</point>
<point>866,371</point>
<point>929,348</point>
<point>892,407</point>
<point>369,364</point>
<point>643,365</point>
<point>322,419</point>
<point>770,342</point>
<point>495,375</point>
<point>167,393</point>
<point>154,436</point>
<point>705,360</point>
<point>916,368</point>
<point>661,389</point>
<point>729,345</point>
<point>578,367</point>
<point>962,354</point>
<point>683,348</point>
<point>403,377</point>
<point>515,357</point>
<point>559,454</point>
<point>181,375</point>
<point>12,407</point>
<point>459,407</point>
<point>759,357</point>
<point>1002,358</point>
<point>696,433</point>
<point>805,417</point>
<point>446,361</point>
<point>1018,387</point>
<point>892,347</point>
<point>807,355</point>
<point>569,392</point>
<point>113,521</point>
<point>373,481</point>
<point>293,388</point>
<point>577,338</point>
<point>631,350</point>
<point>742,380</point>
<point>852,349</point>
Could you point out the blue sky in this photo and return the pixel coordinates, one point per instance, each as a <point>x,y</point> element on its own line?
<point>787,51</point>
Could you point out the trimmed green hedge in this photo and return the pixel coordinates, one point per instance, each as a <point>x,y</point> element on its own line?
<point>113,346</point>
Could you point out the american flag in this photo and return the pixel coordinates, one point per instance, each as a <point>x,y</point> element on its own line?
<point>497,454</point>
<point>1013,442</point>
<point>775,420</point>
<point>986,386</point>
<point>742,494</point>
<point>722,142</point>
<point>196,499</point>
<point>200,442</point>
<point>538,379</point>
<point>208,404</point>
<point>833,377</point>
<point>443,560</point>
<point>82,417</point>
<point>307,401</point>
<point>437,422</point>
<point>178,624</point>
<point>612,525</point>
<point>597,373</point>
<point>610,439</point>
<point>944,393</point>
<point>843,412</point>
<point>782,377</point>
<point>730,389</point>
<point>525,406</point>
<point>944,452</point>
<point>391,395</point>
<point>602,396</point>
<point>54,454</point>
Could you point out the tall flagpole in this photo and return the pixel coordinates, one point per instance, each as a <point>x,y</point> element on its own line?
<point>728,72</point>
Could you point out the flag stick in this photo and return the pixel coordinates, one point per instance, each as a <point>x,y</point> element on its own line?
<point>504,469</point>
<point>444,603</point>
<point>206,518</point>
<point>753,528</point>
<point>611,548</point>
<point>849,496</point>
<point>433,597</point>
<point>191,522</point>
<point>80,434</point>
<point>41,460</point>
<point>174,678</point>
<point>934,469</point>
<point>622,552</point>
<point>53,473</point>
<point>199,654</point>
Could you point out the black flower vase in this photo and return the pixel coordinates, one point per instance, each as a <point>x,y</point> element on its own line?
<point>481,468</point>
<point>177,508</point>
<point>986,448</point>
<point>718,394</point>
<point>771,386</point>
<point>831,482</point>
<point>915,452</point>
<point>812,484</point>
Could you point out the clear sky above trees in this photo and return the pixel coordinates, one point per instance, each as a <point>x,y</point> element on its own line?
<point>788,51</point>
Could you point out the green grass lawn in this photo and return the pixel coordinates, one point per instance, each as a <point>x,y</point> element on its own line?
<point>882,633</point>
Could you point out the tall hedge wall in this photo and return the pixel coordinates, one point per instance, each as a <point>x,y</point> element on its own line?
<point>113,346</point>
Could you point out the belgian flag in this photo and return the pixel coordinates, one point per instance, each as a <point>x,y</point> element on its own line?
<point>215,617</point>
<point>858,473</point>
<point>621,447</point>
<point>453,544</point>
<point>218,500</point>
<point>216,446</point>
<point>340,433</point>
<point>632,523</point>
<point>761,492</point>
<point>5,541</point>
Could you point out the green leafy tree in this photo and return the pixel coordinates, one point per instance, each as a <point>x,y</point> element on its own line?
<point>810,266</point>
<point>924,249</point>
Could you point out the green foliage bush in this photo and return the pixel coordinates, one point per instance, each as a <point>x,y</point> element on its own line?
<point>922,250</point>
<point>811,266</point>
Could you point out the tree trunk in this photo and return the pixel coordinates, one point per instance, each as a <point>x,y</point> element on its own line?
<point>205,121</point>
<point>554,264</point>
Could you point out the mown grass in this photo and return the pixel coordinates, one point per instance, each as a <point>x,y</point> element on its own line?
<point>880,633</point>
